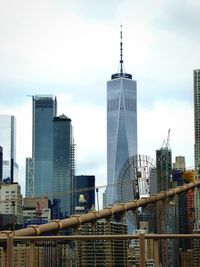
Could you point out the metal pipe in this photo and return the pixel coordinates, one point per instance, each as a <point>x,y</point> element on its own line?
<point>92,216</point>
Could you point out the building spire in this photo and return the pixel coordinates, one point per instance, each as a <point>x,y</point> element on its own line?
<point>121,52</point>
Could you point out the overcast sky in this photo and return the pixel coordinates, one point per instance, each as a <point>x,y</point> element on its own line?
<point>70,49</point>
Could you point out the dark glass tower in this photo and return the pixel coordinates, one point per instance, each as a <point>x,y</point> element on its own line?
<point>84,185</point>
<point>44,110</point>
<point>164,168</point>
<point>62,167</point>
<point>121,125</point>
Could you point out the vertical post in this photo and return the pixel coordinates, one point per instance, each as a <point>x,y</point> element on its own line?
<point>97,191</point>
<point>156,252</point>
<point>31,255</point>
<point>10,254</point>
<point>142,249</point>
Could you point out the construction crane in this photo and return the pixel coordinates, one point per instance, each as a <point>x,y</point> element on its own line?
<point>166,143</point>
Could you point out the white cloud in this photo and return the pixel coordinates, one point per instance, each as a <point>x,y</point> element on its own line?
<point>44,43</point>
<point>153,126</point>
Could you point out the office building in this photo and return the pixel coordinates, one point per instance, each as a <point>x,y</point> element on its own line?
<point>29,177</point>
<point>11,200</point>
<point>195,250</point>
<point>84,191</point>
<point>196,85</point>
<point>63,145</point>
<point>164,168</point>
<point>8,143</point>
<point>121,125</point>
<point>102,252</point>
<point>179,163</point>
<point>1,164</point>
<point>44,110</point>
<point>36,211</point>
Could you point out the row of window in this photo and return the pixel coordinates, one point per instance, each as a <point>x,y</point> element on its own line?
<point>113,104</point>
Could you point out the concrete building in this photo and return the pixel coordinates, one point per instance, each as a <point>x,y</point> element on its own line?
<point>179,163</point>
<point>196,85</point>
<point>29,177</point>
<point>11,200</point>
<point>102,252</point>
<point>186,258</point>
<point>121,125</point>
<point>195,250</point>
<point>44,110</point>
<point>36,211</point>
<point>8,143</point>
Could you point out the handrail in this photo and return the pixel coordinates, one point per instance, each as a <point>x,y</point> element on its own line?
<point>92,216</point>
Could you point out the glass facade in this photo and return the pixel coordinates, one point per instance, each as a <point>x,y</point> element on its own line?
<point>29,177</point>
<point>62,167</point>
<point>8,143</point>
<point>1,163</point>
<point>164,169</point>
<point>84,185</point>
<point>121,128</point>
<point>44,110</point>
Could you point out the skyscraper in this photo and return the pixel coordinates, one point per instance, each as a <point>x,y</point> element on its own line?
<point>196,84</point>
<point>1,163</point>
<point>29,177</point>
<point>121,125</point>
<point>8,143</point>
<point>44,110</point>
<point>84,185</point>
<point>164,168</point>
<point>62,167</point>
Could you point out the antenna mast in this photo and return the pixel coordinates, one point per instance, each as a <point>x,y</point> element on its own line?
<point>121,53</point>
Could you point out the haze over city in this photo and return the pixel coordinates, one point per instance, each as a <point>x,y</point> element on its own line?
<point>70,50</point>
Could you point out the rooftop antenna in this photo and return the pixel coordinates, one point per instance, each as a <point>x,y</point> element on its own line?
<point>121,52</point>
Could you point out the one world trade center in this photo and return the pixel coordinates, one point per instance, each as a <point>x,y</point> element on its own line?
<point>121,125</point>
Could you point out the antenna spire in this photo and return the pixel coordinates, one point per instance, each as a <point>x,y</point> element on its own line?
<point>121,52</point>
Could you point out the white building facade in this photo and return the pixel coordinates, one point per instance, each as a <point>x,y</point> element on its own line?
<point>8,143</point>
<point>11,200</point>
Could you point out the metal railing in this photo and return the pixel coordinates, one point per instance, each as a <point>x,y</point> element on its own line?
<point>120,208</point>
<point>58,251</point>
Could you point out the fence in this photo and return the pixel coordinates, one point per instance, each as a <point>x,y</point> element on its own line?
<point>93,250</point>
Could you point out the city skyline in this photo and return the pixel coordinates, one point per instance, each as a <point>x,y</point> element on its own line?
<point>160,51</point>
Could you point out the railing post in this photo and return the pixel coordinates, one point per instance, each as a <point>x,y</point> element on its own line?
<point>156,252</point>
<point>9,249</point>
<point>31,255</point>
<point>142,249</point>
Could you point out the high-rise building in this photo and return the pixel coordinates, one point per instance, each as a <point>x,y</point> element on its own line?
<point>164,168</point>
<point>29,177</point>
<point>121,125</point>
<point>11,200</point>
<point>196,84</point>
<point>44,110</point>
<point>102,252</point>
<point>8,143</point>
<point>62,167</point>
<point>179,163</point>
<point>84,191</point>
<point>1,163</point>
